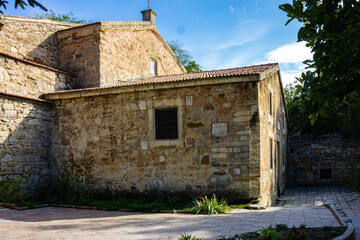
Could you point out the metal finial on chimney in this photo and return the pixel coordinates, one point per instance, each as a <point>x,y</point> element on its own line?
<point>148,4</point>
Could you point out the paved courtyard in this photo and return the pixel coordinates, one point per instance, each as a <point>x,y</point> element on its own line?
<point>347,199</point>
<point>65,223</point>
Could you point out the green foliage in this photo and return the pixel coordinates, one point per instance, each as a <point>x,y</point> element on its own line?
<point>188,237</point>
<point>69,187</point>
<point>299,106</point>
<point>296,234</point>
<point>268,233</point>
<point>207,205</point>
<point>351,178</point>
<point>280,226</point>
<point>15,189</point>
<point>302,226</point>
<point>22,4</point>
<point>331,87</point>
<point>184,57</point>
<point>68,17</point>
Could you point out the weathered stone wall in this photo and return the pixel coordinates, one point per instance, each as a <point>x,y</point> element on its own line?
<point>31,38</point>
<point>126,53</point>
<point>312,158</point>
<point>25,130</point>
<point>79,50</point>
<point>111,139</point>
<point>272,126</point>
<point>26,79</point>
<point>107,53</point>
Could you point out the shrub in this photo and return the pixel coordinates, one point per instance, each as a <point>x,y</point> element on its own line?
<point>296,234</point>
<point>207,205</point>
<point>188,237</point>
<point>281,226</point>
<point>15,189</point>
<point>69,187</point>
<point>268,233</point>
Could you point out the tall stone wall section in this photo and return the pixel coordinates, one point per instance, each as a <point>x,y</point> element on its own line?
<point>25,130</point>
<point>110,138</point>
<point>107,53</point>
<point>28,79</point>
<point>31,39</point>
<point>272,126</point>
<point>131,48</point>
<point>322,159</point>
<point>79,53</point>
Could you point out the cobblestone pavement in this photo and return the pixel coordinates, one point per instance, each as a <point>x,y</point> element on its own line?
<point>65,223</point>
<point>347,199</point>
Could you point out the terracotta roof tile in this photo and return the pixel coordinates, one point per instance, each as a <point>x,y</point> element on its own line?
<point>24,97</point>
<point>231,72</point>
<point>34,63</point>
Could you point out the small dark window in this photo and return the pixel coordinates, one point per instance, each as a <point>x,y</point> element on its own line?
<point>271,154</point>
<point>166,123</point>
<point>270,102</point>
<point>325,174</point>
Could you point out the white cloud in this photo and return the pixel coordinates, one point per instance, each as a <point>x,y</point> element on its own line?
<point>290,57</point>
<point>289,76</point>
<point>239,35</point>
<point>232,9</point>
<point>290,53</point>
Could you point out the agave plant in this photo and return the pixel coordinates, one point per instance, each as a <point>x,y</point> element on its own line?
<point>207,205</point>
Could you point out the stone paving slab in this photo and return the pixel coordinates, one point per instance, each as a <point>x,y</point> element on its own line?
<point>65,223</point>
<point>344,197</point>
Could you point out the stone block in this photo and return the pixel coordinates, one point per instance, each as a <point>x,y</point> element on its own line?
<point>7,158</point>
<point>219,129</point>
<point>189,100</point>
<point>142,105</point>
<point>144,145</point>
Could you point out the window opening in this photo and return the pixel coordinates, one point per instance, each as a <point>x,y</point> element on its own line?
<point>166,123</point>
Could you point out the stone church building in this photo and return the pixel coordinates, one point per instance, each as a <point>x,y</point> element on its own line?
<point>114,100</point>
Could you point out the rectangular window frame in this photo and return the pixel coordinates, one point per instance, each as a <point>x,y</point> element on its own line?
<point>159,130</point>
<point>270,104</point>
<point>155,72</point>
<point>271,153</point>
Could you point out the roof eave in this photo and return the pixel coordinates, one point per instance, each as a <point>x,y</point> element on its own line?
<point>150,86</point>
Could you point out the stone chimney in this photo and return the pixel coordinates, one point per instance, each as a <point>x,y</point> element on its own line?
<point>149,15</point>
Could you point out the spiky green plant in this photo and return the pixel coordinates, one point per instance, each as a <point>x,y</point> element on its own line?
<point>207,205</point>
<point>188,237</point>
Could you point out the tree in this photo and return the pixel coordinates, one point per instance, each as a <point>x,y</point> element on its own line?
<point>298,107</point>
<point>22,4</point>
<point>331,29</point>
<point>68,17</point>
<point>184,57</point>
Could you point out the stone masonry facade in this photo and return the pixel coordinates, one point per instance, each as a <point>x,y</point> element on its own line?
<point>110,139</point>
<point>92,94</point>
<point>25,140</point>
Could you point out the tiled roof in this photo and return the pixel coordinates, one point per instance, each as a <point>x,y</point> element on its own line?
<point>35,64</point>
<point>24,97</point>
<point>231,72</point>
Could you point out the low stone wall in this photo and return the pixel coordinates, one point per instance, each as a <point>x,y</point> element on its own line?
<point>319,160</point>
<point>25,130</point>
<point>27,79</point>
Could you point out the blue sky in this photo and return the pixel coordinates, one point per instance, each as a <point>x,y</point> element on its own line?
<point>218,33</point>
